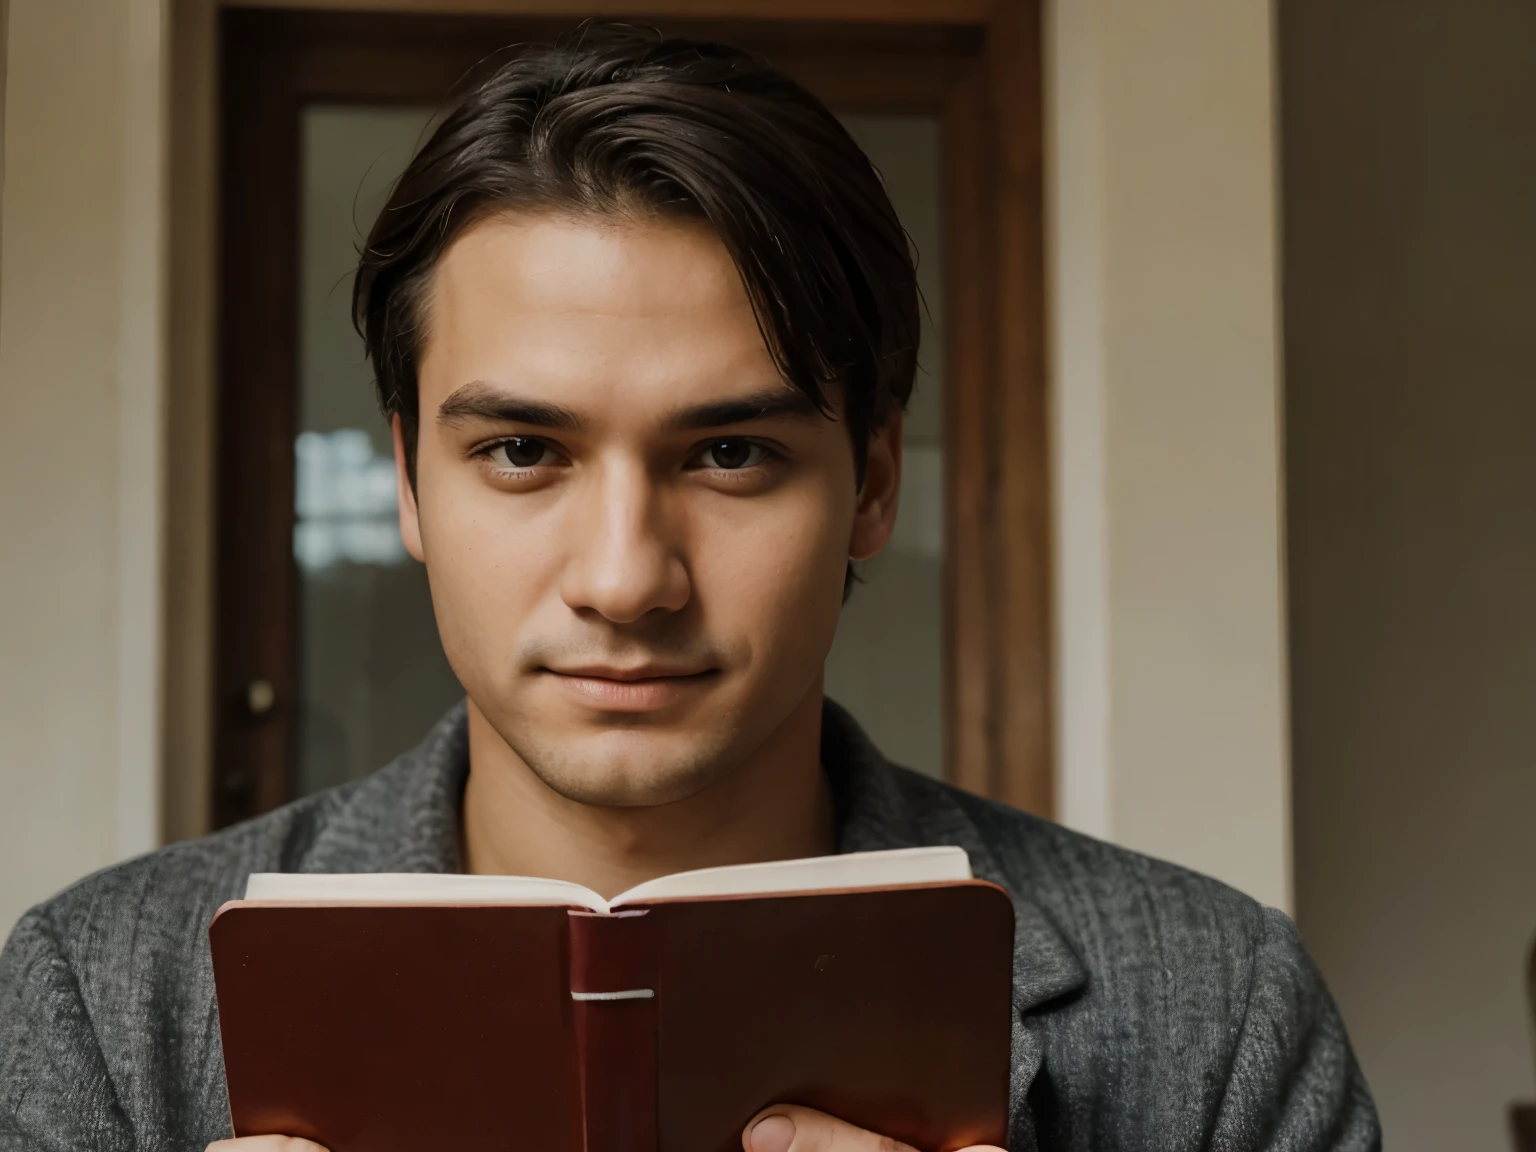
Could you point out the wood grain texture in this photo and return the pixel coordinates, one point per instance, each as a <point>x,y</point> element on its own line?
<point>970,587</point>
<point>257,584</point>
<point>186,805</point>
<point>998,686</point>
<point>1027,777</point>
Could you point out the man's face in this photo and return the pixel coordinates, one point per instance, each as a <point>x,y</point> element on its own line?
<point>635,530</point>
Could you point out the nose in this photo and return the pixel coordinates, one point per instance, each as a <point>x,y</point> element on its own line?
<point>622,563</point>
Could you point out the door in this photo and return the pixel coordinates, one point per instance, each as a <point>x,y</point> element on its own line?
<point>327,653</point>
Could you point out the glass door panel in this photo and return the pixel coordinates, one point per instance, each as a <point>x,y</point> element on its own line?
<point>887,665</point>
<point>372,677</point>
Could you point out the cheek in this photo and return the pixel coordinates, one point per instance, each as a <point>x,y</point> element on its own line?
<point>487,574</point>
<point>771,572</point>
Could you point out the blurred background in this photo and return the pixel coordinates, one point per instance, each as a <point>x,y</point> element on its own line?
<point>1218,537</point>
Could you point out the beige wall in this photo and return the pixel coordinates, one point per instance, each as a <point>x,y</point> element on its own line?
<point>1172,710</point>
<point>1410,157</point>
<point>80,446</point>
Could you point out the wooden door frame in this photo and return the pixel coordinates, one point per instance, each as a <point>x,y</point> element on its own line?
<point>997,678</point>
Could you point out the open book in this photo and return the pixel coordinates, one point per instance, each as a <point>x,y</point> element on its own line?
<point>403,1011</point>
<point>899,866</point>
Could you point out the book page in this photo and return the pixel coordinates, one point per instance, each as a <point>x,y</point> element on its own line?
<point>897,866</point>
<point>891,868</point>
<point>416,888</point>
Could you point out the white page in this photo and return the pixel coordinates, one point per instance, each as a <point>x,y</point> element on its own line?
<point>416,888</point>
<point>898,866</point>
<point>893,867</point>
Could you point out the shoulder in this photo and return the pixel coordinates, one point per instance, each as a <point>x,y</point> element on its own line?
<point>1189,998</point>
<point>136,930</point>
<point>1157,943</point>
<point>107,988</point>
<point>180,886</point>
<point>108,1026</point>
<point>367,825</point>
<point>1099,894</point>
<point>400,818</point>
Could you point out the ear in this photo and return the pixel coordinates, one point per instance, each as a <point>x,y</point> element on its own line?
<point>405,496</point>
<point>875,516</point>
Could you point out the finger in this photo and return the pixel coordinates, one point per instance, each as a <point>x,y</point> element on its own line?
<point>790,1128</point>
<point>265,1144</point>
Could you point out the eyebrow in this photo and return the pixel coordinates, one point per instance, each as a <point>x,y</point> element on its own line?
<point>767,404</point>
<point>480,400</point>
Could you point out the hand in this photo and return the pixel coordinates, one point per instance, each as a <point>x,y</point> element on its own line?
<point>790,1128</point>
<point>785,1128</point>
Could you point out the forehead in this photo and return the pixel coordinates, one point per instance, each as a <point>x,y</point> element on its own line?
<point>591,312</point>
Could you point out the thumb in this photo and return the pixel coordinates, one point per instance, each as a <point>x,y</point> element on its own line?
<point>790,1128</point>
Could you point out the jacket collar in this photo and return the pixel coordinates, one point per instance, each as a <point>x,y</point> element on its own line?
<point>404,817</point>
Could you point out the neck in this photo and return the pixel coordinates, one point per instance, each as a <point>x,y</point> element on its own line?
<point>775,805</point>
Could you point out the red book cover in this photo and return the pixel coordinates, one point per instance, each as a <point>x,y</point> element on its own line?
<point>660,1026</point>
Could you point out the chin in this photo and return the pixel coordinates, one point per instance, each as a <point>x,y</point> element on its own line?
<point>626,768</point>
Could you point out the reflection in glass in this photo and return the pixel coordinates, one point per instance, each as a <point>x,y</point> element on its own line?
<point>345,499</point>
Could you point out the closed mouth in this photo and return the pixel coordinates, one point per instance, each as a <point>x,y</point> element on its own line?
<point>643,673</point>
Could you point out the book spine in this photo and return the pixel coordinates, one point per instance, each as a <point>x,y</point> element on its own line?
<point>613,989</point>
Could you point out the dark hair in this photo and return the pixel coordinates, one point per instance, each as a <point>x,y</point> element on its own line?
<point>614,120</point>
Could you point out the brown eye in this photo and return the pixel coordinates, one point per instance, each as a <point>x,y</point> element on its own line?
<point>520,452</point>
<point>732,454</point>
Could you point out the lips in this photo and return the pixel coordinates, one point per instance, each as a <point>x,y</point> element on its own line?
<point>630,675</point>
<point>644,689</point>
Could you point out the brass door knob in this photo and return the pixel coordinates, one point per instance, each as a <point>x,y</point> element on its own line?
<point>260,696</point>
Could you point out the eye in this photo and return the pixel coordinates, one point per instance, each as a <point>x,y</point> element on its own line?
<point>520,452</point>
<point>732,454</point>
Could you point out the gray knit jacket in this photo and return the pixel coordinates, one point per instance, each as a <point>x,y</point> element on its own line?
<point>1153,1008</point>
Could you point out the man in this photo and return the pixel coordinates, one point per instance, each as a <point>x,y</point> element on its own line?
<point>644,322</point>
